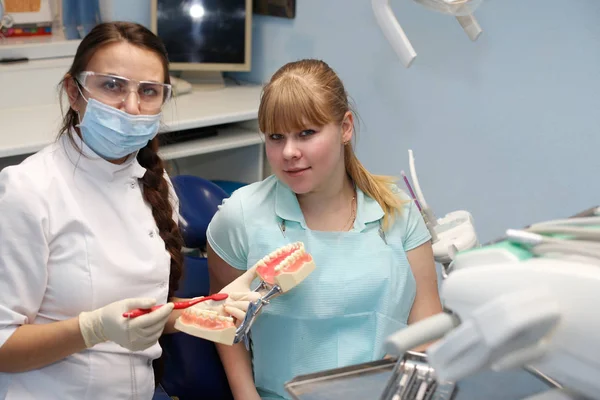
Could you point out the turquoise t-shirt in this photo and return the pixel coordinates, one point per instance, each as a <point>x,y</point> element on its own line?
<point>361,291</point>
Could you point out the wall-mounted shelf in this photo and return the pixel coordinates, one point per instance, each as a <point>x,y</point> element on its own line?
<point>228,138</point>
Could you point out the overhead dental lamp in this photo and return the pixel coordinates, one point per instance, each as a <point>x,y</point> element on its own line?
<point>462,10</point>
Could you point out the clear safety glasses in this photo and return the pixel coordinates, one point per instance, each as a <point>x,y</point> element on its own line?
<point>113,90</point>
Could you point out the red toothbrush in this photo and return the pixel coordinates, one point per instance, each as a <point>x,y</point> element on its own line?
<point>178,305</point>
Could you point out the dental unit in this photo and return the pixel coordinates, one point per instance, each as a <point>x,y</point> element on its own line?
<point>525,301</point>
<point>279,272</point>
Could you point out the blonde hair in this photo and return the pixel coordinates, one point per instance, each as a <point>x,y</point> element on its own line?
<point>309,92</point>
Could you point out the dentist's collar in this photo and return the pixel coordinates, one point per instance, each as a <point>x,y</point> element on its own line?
<point>84,158</point>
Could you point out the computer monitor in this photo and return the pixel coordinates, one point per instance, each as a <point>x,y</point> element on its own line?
<point>204,37</point>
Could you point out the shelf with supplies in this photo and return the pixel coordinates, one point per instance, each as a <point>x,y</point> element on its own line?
<point>234,152</point>
<point>228,137</point>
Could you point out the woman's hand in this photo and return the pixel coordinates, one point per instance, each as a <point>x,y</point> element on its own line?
<point>240,295</point>
<point>236,305</point>
<point>108,324</point>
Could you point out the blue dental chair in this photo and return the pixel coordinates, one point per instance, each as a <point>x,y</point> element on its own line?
<point>192,368</point>
<point>229,186</point>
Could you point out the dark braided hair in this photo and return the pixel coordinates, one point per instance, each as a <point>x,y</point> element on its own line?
<point>155,186</point>
<point>156,193</point>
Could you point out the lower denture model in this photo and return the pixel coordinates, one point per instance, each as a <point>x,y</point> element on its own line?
<point>279,272</point>
<point>208,321</point>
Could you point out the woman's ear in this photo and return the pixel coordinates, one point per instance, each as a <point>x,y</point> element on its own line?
<point>347,127</point>
<point>72,92</point>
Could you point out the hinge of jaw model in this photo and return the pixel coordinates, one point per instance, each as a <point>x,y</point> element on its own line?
<point>279,272</point>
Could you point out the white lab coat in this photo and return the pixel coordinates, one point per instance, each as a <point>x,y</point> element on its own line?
<point>75,235</point>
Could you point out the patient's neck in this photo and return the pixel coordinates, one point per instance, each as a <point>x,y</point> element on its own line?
<point>329,207</point>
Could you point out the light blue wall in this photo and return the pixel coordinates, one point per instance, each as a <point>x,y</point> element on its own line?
<point>506,127</point>
<point>126,10</point>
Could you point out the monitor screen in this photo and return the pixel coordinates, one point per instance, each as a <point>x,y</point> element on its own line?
<point>204,31</point>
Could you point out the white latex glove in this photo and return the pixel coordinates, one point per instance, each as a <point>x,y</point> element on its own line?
<point>240,295</point>
<point>136,334</point>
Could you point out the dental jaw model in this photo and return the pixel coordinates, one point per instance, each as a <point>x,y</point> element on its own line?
<point>279,272</point>
<point>207,320</point>
<point>286,267</point>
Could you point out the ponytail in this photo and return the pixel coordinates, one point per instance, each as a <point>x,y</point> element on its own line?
<point>378,187</point>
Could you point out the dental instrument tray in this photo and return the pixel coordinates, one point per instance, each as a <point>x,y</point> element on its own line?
<point>388,379</point>
<point>412,379</point>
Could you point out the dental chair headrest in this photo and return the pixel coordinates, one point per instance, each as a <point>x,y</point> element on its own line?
<point>199,200</point>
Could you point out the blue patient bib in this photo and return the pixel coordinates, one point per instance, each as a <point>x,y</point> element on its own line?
<point>361,291</point>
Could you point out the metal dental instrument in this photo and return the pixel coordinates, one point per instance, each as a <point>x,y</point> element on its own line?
<point>413,379</point>
<point>243,331</point>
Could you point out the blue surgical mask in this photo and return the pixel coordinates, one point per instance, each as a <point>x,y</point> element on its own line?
<point>114,134</point>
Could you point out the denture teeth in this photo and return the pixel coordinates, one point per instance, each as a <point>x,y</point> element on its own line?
<point>288,261</point>
<point>221,318</point>
<point>262,264</point>
<point>206,313</point>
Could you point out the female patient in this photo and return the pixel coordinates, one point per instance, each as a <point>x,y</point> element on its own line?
<point>375,269</point>
<point>89,231</point>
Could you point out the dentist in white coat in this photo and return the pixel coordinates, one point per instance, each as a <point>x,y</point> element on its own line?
<point>88,230</point>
